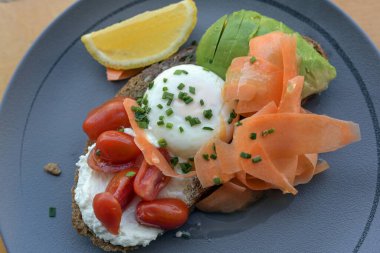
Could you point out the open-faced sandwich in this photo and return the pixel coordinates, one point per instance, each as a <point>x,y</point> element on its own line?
<point>222,118</point>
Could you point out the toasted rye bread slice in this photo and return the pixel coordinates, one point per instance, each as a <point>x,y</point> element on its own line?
<point>134,88</point>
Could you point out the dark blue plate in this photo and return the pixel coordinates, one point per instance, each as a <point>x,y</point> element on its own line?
<point>58,82</point>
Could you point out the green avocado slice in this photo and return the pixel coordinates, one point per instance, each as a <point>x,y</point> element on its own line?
<point>229,38</point>
<point>209,42</point>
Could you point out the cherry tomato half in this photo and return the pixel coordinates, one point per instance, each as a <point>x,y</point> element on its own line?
<point>162,213</point>
<point>111,115</point>
<point>149,181</point>
<point>116,147</point>
<point>96,163</point>
<point>108,211</point>
<point>121,186</point>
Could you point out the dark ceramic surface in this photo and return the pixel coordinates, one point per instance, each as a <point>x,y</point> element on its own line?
<point>58,82</point>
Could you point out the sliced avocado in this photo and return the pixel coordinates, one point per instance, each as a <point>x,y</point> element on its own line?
<point>219,46</point>
<point>209,42</point>
<point>239,27</point>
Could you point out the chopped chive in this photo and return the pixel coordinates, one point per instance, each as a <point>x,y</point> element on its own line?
<point>139,101</point>
<point>202,102</point>
<point>174,161</point>
<point>267,132</point>
<point>160,106</point>
<point>253,136</point>
<point>137,109</point>
<point>147,109</point>
<point>185,167</point>
<point>121,130</point>
<point>205,156</point>
<point>142,124</point>
<point>130,174</point>
<point>150,85</point>
<point>213,147</point>
<point>213,156</point>
<point>245,155</point>
<point>161,117</point>
<point>191,159</point>
<point>169,112</point>
<point>169,102</point>
<point>165,80</point>
<point>207,114</point>
<point>167,95</point>
<point>181,129</point>
<point>169,125</point>
<point>252,60</point>
<point>188,100</point>
<point>217,181</point>
<point>238,123</point>
<point>182,95</point>
<point>97,152</point>
<point>162,143</point>
<point>52,212</point>
<point>232,117</point>
<point>192,120</point>
<point>145,100</point>
<point>256,159</point>
<point>188,118</point>
<point>180,86</point>
<point>160,123</point>
<point>165,88</point>
<point>180,72</point>
<point>208,128</point>
<point>192,90</point>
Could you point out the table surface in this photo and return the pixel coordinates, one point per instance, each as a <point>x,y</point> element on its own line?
<point>18,32</point>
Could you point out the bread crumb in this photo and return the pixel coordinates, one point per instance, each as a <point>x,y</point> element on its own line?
<point>53,169</point>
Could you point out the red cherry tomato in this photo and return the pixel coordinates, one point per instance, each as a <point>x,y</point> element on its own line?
<point>98,164</point>
<point>149,181</point>
<point>116,147</point>
<point>121,186</point>
<point>109,116</point>
<point>108,211</point>
<point>162,213</point>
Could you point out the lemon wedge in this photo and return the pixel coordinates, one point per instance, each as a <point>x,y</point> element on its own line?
<point>144,39</point>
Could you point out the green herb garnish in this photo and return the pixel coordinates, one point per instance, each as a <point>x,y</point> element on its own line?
<point>165,88</point>
<point>160,123</point>
<point>160,106</point>
<point>192,120</point>
<point>206,157</point>
<point>169,125</point>
<point>142,124</point>
<point>150,85</point>
<point>165,80</point>
<point>181,129</point>
<point>130,174</point>
<point>188,100</point>
<point>162,143</point>
<point>185,167</point>
<point>180,86</point>
<point>180,72</point>
<point>253,136</point>
<point>174,161</point>
<point>169,112</point>
<point>238,123</point>
<point>232,117</point>
<point>267,132</point>
<point>217,181</point>
<point>213,156</point>
<point>256,159</point>
<point>97,152</point>
<point>52,212</point>
<point>192,90</point>
<point>202,102</point>
<point>208,128</point>
<point>245,155</point>
<point>207,114</point>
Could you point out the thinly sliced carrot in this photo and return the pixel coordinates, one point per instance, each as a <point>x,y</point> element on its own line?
<point>119,74</point>
<point>289,58</point>
<point>253,183</point>
<point>228,198</point>
<point>297,134</point>
<point>322,165</point>
<point>227,155</point>
<point>268,47</point>
<point>151,154</point>
<point>306,168</point>
<point>246,81</point>
<point>264,169</point>
<point>291,99</point>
